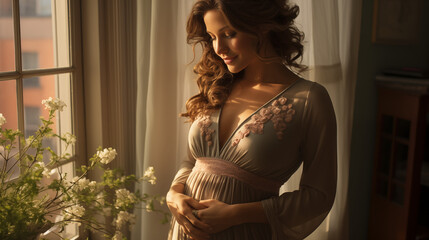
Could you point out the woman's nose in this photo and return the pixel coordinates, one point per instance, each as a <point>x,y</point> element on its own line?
<point>220,47</point>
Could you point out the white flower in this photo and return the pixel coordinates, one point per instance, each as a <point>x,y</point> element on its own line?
<point>107,155</point>
<point>29,140</point>
<point>70,138</point>
<point>73,212</point>
<point>53,172</point>
<point>149,207</point>
<point>118,236</point>
<point>46,171</point>
<point>39,165</point>
<point>83,183</point>
<point>100,199</point>
<point>152,180</point>
<point>149,174</point>
<point>92,184</point>
<point>123,197</point>
<point>54,104</point>
<point>123,218</point>
<point>2,120</point>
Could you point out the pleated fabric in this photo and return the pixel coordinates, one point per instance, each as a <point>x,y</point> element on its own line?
<point>295,127</point>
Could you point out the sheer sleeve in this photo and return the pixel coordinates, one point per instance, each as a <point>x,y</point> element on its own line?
<point>185,169</point>
<point>294,215</point>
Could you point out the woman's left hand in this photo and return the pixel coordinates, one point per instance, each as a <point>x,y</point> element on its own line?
<point>218,215</point>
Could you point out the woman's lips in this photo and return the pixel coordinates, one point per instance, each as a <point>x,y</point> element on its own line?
<point>229,60</point>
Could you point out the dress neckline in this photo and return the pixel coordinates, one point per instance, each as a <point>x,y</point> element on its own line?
<point>221,148</point>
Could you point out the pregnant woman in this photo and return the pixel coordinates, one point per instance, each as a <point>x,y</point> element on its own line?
<point>254,122</point>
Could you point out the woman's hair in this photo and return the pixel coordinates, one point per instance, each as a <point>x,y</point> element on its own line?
<point>271,20</point>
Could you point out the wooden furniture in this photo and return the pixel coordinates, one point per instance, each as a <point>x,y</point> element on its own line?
<point>399,202</point>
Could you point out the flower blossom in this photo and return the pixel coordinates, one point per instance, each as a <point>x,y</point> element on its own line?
<point>124,197</point>
<point>2,120</point>
<point>149,206</point>
<point>70,138</point>
<point>46,171</point>
<point>54,104</point>
<point>118,236</point>
<point>123,218</point>
<point>149,174</point>
<point>279,113</point>
<point>206,132</point>
<point>107,155</point>
<point>100,199</point>
<point>83,183</point>
<point>73,212</point>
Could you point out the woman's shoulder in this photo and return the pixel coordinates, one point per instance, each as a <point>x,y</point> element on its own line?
<point>307,89</point>
<point>310,85</point>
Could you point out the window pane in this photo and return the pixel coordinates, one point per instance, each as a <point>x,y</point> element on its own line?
<point>401,161</point>
<point>8,106</point>
<point>8,109</point>
<point>403,128</point>
<point>44,33</point>
<point>30,60</point>
<point>55,86</point>
<point>7,46</point>
<point>385,152</point>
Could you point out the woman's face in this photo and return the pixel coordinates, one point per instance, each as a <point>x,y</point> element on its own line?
<point>237,49</point>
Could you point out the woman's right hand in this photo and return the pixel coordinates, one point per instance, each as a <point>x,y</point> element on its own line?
<point>181,207</point>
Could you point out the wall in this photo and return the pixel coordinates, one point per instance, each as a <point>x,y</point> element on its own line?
<point>372,59</point>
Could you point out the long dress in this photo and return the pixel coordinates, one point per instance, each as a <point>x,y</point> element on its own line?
<point>295,127</point>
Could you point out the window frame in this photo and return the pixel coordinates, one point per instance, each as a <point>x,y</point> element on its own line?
<point>76,84</point>
<point>75,71</point>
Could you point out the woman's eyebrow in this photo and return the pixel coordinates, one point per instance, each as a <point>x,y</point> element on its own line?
<point>220,30</point>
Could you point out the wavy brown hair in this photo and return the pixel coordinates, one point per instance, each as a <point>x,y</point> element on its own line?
<point>271,20</point>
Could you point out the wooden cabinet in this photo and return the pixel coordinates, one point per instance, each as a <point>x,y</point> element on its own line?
<point>399,197</point>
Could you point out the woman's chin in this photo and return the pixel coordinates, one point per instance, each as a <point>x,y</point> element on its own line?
<point>234,69</point>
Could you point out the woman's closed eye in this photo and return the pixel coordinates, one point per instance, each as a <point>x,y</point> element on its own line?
<point>225,35</point>
<point>229,34</point>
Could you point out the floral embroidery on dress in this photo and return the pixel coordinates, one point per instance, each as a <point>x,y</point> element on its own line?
<point>204,123</point>
<point>279,112</point>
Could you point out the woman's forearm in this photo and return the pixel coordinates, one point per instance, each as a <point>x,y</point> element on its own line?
<point>248,213</point>
<point>175,188</point>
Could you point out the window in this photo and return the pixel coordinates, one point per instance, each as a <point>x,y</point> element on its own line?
<point>27,8</point>
<point>43,7</point>
<point>30,60</point>
<point>5,8</point>
<point>35,8</point>
<point>39,45</point>
<point>32,121</point>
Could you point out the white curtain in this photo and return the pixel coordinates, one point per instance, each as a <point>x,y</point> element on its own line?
<point>332,29</point>
<point>166,81</point>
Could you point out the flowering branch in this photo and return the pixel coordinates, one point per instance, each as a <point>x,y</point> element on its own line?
<point>44,198</point>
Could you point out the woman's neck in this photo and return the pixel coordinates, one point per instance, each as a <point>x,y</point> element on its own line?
<point>268,73</point>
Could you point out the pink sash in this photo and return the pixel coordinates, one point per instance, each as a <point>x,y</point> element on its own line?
<point>225,168</point>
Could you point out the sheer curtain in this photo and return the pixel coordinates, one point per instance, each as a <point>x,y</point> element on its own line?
<point>332,29</point>
<point>165,82</point>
